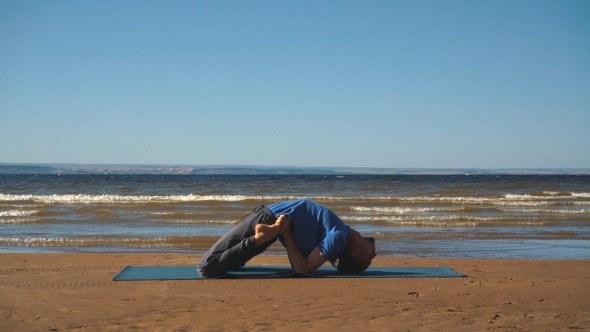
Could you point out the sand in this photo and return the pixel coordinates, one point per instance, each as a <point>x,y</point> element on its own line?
<point>71,292</point>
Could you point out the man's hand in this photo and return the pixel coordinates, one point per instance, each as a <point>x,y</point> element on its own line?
<point>284,223</point>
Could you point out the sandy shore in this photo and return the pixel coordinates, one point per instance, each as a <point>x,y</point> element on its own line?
<point>64,292</point>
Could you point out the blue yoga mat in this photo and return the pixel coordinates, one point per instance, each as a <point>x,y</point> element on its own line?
<point>262,272</point>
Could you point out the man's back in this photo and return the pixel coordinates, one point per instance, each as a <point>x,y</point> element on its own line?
<point>314,225</point>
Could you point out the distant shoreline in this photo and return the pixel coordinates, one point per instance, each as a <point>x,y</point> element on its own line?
<point>25,168</point>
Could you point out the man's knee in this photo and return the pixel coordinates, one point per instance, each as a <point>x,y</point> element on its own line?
<point>207,270</point>
<point>205,273</point>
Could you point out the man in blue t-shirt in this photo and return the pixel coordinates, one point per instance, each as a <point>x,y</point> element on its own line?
<point>311,233</point>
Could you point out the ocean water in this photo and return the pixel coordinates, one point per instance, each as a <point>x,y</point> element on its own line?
<point>486,216</point>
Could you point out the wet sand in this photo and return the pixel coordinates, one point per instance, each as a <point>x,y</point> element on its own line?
<point>75,292</point>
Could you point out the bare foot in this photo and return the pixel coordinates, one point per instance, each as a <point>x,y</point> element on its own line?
<point>265,233</point>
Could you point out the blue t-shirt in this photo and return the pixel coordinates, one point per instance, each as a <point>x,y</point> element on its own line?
<point>314,225</point>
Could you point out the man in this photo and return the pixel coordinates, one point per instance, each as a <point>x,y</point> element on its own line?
<point>311,233</point>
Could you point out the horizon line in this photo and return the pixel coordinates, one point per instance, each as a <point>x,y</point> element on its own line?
<point>155,165</point>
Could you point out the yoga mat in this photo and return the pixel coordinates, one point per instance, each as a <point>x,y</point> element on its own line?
<point>262,272</point>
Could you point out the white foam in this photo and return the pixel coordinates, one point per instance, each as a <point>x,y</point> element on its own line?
<point>17,213</point>
<point>506,199</point>
<point>527,197</point>
<point>20,206</point>
<point>175,213</point>
<point>558,211</point>
<point>525,203</point>
<point>488,201</point>
<point>451,217</point>
<point>197,221</point>
<point>445,221</point>
<point>402,210</point>
<point>516,199</point>
<point>17,221</point>
<point>122,199</point>
<point>86,241</point>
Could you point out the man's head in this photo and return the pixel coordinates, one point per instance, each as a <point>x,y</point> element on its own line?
<point>358,254</point>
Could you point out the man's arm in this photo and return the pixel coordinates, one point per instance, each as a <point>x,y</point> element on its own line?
<point>299,263</point>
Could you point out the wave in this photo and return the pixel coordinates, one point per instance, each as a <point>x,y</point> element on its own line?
<point>17,213</point>
<point>182,242</point>
<point>408,210</point>
<point>550,195</point>
<point>506,199</point>
<point>451,217</point>
<point>177,213</point>
<point>110,199</point>
<point>197,221</point>
<point>135,242</point>
<point>18,221</point>
<point>512,201</point>
<point>445,221</point>
<point>403,210</point>
<point>528,203</point>
<point>20,206</point>
<point>554,211</point>
<point>556,193</point>
<point>46,213</point>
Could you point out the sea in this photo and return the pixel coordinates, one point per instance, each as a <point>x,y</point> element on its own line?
<point>465,216</point>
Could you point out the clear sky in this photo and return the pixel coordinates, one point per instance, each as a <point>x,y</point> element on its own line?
<point>490,84</point>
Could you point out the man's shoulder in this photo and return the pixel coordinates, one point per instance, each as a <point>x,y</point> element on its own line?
<point>299,202</point>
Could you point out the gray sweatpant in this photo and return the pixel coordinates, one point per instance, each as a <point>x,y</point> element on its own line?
<point>238,246</point>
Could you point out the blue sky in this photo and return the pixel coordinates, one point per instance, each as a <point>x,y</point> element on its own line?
<point>491,84</point>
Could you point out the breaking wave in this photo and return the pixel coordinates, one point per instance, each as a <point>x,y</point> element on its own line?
<point>128,242</point>
<point>18,221</point>
<point>199,243</point>
<point>197,221</point>
<point>17,213</point>
<point>447,221</point>
<point>550,211</point>
<point>507,199</point>
<point>403,210</point>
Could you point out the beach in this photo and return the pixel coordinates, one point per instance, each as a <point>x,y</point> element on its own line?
<point>523,241</point>
<point>75,292</point>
